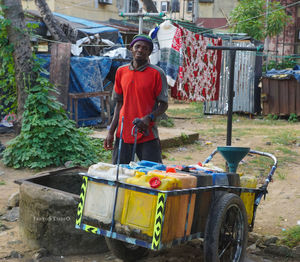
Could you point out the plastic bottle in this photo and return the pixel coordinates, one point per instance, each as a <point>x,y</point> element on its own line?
<point>100,197</point>
<point>248,198</point>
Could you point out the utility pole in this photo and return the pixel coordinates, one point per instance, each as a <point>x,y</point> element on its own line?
<point>267,38</point>
<point>141,15</point>
<point>195,10</point>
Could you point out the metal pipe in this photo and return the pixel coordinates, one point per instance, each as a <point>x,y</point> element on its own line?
<point>232,50</point>
<point>237,48</point>
<point>117,178</point>
<point>230,97</point>
<point>161,14</point>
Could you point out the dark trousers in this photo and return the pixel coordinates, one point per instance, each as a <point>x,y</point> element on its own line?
<point>150,150</point>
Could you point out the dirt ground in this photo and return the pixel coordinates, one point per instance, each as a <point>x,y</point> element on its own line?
<point>278,212</point>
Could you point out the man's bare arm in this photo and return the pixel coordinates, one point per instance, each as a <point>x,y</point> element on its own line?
<point>108,142</point>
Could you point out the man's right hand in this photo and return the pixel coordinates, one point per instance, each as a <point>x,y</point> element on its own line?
<point>108,142</point>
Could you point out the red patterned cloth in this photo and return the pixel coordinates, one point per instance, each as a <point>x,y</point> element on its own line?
<point>199,73</point>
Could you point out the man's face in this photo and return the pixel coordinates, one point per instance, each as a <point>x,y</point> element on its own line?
<point>141,51</point>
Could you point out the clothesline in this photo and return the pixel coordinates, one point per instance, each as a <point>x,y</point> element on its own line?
<point>264,54</point>
<point>192,71</point>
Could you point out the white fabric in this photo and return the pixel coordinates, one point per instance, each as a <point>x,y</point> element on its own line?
<point>166,34</point>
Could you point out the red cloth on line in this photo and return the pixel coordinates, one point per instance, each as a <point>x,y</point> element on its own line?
<point>199,73</point>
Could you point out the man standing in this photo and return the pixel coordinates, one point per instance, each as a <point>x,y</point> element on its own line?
<point>141,91</point>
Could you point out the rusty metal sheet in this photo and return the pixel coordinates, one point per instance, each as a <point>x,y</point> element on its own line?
<point>280,96</point>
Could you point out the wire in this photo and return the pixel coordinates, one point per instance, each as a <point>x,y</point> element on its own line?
<point>292,56</point>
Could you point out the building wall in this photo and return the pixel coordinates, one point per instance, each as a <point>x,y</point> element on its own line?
<point>87,9</point>
<point>30,4</point>
<point>206,8</point>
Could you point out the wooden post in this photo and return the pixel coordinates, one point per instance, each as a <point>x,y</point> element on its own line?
<point>60,70</point>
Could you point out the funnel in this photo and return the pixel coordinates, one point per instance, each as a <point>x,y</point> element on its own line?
<point>233,155</point>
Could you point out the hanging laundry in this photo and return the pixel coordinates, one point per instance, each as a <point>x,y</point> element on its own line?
<point>199,73</point>
<point>166,53</point>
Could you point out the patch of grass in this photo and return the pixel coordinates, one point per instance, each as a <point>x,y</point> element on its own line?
<point>194,110</point>
<point>184,136</point>
<point>215,131</point>
<point>188,158</point>
<point>256,165</point>
<point>239,132</point>
<point>281,176</point>
<point>287,151</point>
<point>2,183</point>
<point>291,237</point>
<point>286,138</point>
<point>169,122</point>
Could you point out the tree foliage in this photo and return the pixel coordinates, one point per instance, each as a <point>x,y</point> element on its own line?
<point>8,96</point>
<point>251,17</point>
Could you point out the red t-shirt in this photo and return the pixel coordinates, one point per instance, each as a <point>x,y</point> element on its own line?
<point>140,90</point>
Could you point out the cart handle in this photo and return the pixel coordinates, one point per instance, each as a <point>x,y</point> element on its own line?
<point>263,188</point>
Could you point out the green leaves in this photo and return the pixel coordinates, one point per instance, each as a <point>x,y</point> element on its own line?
<point>8,95</point>
<point>254,18</point>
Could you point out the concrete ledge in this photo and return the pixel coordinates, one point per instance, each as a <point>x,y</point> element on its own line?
<point>169,137</point>
<point>47,220</point>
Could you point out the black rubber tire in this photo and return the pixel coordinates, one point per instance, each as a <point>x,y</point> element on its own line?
<point>226,232</point>
<point>125,251</point>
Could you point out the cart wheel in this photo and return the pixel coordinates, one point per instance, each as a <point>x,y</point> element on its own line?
<point>226,232</point>
<point>125,251</point>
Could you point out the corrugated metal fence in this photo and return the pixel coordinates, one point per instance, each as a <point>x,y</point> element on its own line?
<point>244,78</point>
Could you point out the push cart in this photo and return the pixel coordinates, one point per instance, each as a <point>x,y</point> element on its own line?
<point>225,231</point>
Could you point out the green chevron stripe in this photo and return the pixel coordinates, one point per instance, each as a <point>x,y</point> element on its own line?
<point>91,229</point>
<point>160,206</point>
<point>81,202</point>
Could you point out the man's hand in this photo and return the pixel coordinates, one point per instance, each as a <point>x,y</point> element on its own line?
<point>142,124</point>
<point>108,142</point>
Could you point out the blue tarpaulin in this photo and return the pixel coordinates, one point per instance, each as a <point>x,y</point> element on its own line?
<point>90,27</point>
<point>86,75</point>
<point>285,73</point>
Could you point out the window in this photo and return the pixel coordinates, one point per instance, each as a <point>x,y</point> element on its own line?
<point>189,6</point>
<point>175,6</point>
<point>206,1</point>
<point>298,35</point>
<point>298,11</point>
<point>105,2</point>
<point>164,6</point>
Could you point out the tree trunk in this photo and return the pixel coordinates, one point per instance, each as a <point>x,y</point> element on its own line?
<point>50,21</point>
<point>22,54</point>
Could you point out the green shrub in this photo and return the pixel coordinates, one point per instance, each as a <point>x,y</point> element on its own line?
<point>166,122</point>
<point>272,117</point>
<point>293,118</point>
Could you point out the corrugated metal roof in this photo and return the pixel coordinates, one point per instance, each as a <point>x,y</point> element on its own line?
<point>212,22</point>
